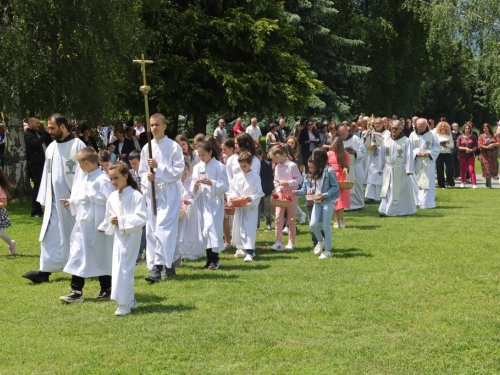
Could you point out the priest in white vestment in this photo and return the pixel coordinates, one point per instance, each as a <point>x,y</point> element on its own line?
<point>357,150</point>
<point>374,139</point>
<point>396,167</point>
<point>426,149</point>
<point>61,172</point>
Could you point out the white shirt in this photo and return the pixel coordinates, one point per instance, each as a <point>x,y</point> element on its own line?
<point>254,132</point>
<point>221,134</point>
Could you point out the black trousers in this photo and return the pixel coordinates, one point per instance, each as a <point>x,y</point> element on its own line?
<point>36,173</point>
<point>77,282</point>
<point>456,165</point>
<point>442,161</point>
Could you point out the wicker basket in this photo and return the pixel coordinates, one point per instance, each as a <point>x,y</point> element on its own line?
<point>229,211</point>
<point>279,202</point>
<point>346,185</point>
<point>239,202</point>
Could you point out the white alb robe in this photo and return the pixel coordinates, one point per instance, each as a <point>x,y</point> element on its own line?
<point>373,179</point>
<point>425,195</point>
<point>91,252</point>
<point>210,203</point>
<point>55,238</point>
<point>188,242</point>
<point>397,193</point>
<point>245,218</point>
<point>161,230</point>
<point>233,166</point>
<point>130,208</point>
<point>356,171</point>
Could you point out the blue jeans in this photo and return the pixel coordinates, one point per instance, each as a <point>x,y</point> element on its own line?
<point>309,213</point>
<point>325,210</point>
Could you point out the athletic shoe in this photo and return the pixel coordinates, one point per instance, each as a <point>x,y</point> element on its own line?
<point>290,246</point>
<point>302,218</point>
<point>278,246</point>
<point>12,248</point>
<point>319,247</point>
<point>370,201</point>
<point>214,265</point>
<point>37,276</point>
<point>342,223</point>
<point>240,253</point>
<point>462,185</point>
<point>74,296</point>
<point>105,295</point>
<point>269,228</point>
<point>474,186</point>
<point>178,262</point>
<point>166,272</point>
<point>154,275</point>
<point>335,224</point>
<point>122,310</point>
<point>132,304</point>
<point>326,254</point>
<point>207,263</point>
<point>285,230</point>
<point>248,258</point>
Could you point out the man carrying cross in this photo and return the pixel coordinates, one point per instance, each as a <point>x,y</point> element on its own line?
<point>396,167</point>
<point>60,172</point>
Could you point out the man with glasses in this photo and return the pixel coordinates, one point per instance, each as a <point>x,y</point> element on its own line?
<point>374,139</point>
<point>396,167</point>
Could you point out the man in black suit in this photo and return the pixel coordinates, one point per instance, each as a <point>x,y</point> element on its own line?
<point>37,140</point>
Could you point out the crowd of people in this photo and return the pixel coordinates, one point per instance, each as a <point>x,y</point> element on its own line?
<point>106,201</point>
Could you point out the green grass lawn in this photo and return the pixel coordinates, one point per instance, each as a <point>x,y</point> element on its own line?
<point>414,295</point>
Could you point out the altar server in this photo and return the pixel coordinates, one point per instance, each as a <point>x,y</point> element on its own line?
<point>374,139</point>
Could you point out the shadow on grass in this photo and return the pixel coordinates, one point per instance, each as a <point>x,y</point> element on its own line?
<point>243,267</point>
<point>15,256</point>
<point>364,227</point>
<point>204,275</point>
<point>273,257</point>
<point>350,253</point>
<point>151,308</point>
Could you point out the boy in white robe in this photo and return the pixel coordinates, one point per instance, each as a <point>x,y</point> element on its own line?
<point>245,184</point>
<point>91,252</point>
<point>60,173</point>
<point>161,229</point>
<point>397,165</point>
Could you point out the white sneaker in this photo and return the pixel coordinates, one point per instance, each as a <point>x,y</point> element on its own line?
<point>248,258</point>
<point>133,304</point>
<point>240,253</point>
<point>462,185</point>
<point>302,218</point>
<point>122,310</point>
<point>285,230</point>
<point>278,246</point>
<point>342,223</point>
<point>290,246</point>
<point>474,186</point>
<point>326,254</point>
<point>335,224</point>
<point>319,247</point>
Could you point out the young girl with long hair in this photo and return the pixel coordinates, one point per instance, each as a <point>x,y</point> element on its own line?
<point>5,186</point>
<point>208,186</point>
<point>325,186</point>
<point>125,217</point>
<point>293,142</point>
<point>338,160</point>
<point>190,154</point>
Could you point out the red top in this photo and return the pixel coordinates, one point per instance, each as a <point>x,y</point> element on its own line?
<point>238,127</point>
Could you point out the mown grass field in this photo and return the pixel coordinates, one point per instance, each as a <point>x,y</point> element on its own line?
<point>409,295</point>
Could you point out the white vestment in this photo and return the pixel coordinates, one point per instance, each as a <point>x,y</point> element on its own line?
<point>130,208</point>
<point>356,171</point>
<point>424,181</point>
<point>373,179</point>
<point>246,218</point>
<point>91,252</point>
<point>161,230</point>
<point>210,203</point>
<point>188,242</point>
<point>61,172</point>
<point>233,166</point>
<point>397,194</point>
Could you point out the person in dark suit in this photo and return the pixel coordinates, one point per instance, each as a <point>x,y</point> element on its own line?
<point>123,145</point>
<point>87,139</point>
<point>36,139</point>
<point>309,140</point>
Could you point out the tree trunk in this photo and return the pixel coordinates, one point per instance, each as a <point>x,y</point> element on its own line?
<point>16,165</point>
<point>200,123</point>
<point>183,124</point>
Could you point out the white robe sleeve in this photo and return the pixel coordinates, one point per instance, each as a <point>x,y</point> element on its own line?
<point>435,149</point>
<point>229,167</point>
<point>360,149</point>
<point>106,226</point>
<point>43,186</point>
<point>221,185</point>
<point>255,192</point>
<point>134,222</point>
<point>410,161</point>
<point>171,173</point>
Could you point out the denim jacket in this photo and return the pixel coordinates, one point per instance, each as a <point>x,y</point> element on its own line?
<point>329,187</point>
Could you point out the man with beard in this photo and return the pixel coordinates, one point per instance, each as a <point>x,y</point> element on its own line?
<point>357,150</point>
<point>60,172</point>
<point>426,149</point>
<point>397,165</point>
<point>374,139</point>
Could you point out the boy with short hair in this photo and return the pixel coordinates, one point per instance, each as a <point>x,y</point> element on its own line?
<point>112,148</point>
<point>104,158</point>
<point>91,252</point>
<point>245,184</point>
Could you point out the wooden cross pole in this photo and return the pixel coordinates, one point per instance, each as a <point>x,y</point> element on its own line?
<point>145,90</point>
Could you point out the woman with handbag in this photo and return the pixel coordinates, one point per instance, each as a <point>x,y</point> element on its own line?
<point>338,160</point>
<point>467,146</point>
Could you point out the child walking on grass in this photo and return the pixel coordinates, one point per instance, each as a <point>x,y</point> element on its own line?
<point>124,219</point>
<point>5,223</point>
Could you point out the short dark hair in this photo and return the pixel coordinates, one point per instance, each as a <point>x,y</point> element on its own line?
<point>59,119</point>
<point>104,156</point>
<point>134,155</point>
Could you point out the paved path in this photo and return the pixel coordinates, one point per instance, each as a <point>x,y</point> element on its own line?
<point>481,183</point>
